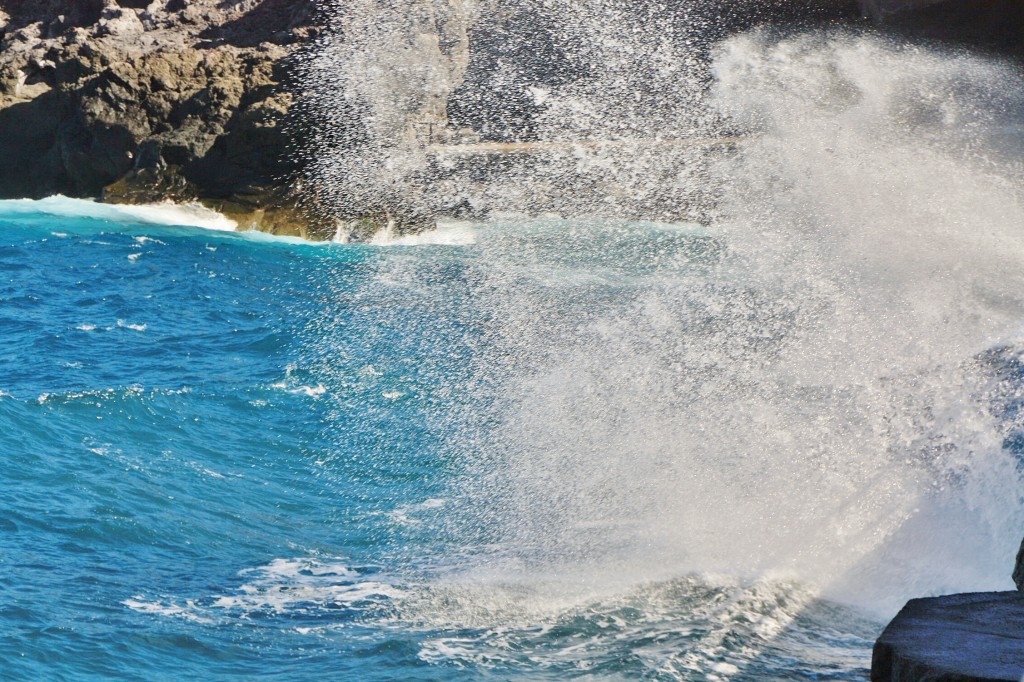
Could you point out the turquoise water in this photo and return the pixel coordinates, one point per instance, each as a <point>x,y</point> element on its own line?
<point>232,457</point>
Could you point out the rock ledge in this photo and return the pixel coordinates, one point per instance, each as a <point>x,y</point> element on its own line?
<point>956,638</point>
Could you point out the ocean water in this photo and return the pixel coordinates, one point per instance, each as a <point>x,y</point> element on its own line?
<point>236,457</point>
<point>226,457</point>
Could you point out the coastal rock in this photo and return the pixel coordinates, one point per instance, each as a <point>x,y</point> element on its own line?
<point>956,638</point>
<point>197,100</point>
<point>394,67</point>
<point>995,25</point>
<point>880,9</point>
<point>1018,569</point>
<point>139,101</point>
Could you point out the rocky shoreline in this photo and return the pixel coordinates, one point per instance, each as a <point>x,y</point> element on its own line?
<point>141,102</point>
<point>975,637</point>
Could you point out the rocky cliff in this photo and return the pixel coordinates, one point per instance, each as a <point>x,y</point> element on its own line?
<point>974,637</point>
<point>143,101</point>
<point>194,100</point>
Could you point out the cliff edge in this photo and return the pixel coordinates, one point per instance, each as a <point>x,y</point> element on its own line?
<point>137,101</point>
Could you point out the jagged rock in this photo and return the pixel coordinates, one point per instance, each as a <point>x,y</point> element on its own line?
<point>1018,569</point>
<point>145,101</point>
<point>118,22</point>
<point>280,212</point>
<point>87,86</point>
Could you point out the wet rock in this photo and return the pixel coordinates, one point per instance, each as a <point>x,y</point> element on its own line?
<point>149,101</point>
<point>956,638</point>
<point>280,212</point>
<point>996,25</point>
<point>1018,569</point>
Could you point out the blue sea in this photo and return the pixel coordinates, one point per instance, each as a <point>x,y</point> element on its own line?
<point>473,454</point>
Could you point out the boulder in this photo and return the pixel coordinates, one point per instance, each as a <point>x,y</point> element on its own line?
<point>1018,569</point>
<point>956,638</point>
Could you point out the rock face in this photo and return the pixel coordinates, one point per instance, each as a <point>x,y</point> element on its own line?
<point>996,25</point>
<point>393,66</point>
<point>139,100</point>
<point>880,9</point>
<point>143,101</point>
<point>1018,569</point>
<point>957,638</point>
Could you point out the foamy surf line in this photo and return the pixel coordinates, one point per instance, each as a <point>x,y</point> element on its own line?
<point>447,233</point>
<point>466,233</point>
<point>170,214</point>
<point>166,213</point>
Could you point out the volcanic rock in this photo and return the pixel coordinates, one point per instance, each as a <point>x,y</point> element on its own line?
<point>146,101</point>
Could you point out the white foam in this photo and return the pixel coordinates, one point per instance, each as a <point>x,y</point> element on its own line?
<point>447,233</point>
<point>168,213</point>
<point>406,515</point>
<point>688,626</point>
<point>189,612</point>
<point>121,324</point>
<point>310,391</point>
<point>284,597</point>
<point>311,585</point>
<point>300,569</point>
<point>370,371</point>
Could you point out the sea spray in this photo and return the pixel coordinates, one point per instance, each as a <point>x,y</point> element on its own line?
<point>806,391</point>
<point>881,192</point>
<point>795,381</point>
<point>376,94</point>
<point>472,108</point>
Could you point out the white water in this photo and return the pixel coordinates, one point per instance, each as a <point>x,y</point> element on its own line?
<point>882,197</point>
<point>816,406</point>
<point>167,213</point>
<point>448,233</point>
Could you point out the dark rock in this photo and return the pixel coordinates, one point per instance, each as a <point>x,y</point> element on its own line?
<point>145,100</point>
<point>282,212</point>
<point>149,101</point>
<point>1018,569</point>
<point>956,638</point>
<point>996,25</point>
<point>519,45</point>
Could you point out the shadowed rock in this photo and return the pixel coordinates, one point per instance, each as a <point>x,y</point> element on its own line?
<point>956,638</point>
<point>996,25</point>
<point>1018,569</point>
